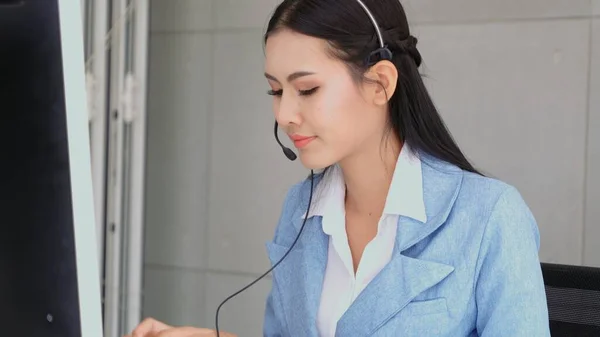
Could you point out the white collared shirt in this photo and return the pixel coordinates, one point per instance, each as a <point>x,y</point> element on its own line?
<point>341,286</point>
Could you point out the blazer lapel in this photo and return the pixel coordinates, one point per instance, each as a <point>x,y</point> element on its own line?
<point>395,287</point>
<point>404,278</point>
<point>300,277</point>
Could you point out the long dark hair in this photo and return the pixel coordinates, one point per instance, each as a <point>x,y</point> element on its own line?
<point>351,35</point>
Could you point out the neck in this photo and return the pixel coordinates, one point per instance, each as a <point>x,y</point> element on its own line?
<point>368,176</point>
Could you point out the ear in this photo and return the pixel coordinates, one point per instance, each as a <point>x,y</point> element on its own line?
<point>384,76</point>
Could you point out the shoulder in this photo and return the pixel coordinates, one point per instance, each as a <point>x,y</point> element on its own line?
<point>491,226</point>
<point>499,201</point>
<point>488,206</point>
<point>505,226</point>
<point>492,192</point>
<point>477,194</point>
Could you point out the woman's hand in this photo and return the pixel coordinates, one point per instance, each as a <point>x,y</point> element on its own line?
<point>153,328</point>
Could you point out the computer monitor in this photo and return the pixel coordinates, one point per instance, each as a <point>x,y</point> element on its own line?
<point>49,282</point>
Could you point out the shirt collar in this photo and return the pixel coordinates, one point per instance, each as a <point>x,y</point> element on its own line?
<point>405,196</point>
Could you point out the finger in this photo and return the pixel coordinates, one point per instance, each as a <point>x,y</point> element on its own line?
<point>186,332</point>
<point>226,334</point>
<point>213,333</point>
<point>148,326</point>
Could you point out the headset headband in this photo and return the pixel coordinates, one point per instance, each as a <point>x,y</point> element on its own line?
<point>381,53</point>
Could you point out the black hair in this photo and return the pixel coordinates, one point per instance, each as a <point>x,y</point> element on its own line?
<point>346,27</point>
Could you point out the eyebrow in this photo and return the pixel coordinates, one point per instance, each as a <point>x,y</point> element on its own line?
<point>291,77</point>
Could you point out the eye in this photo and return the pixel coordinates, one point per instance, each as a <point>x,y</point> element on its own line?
<point>308,92</point>
<point>275,92</point>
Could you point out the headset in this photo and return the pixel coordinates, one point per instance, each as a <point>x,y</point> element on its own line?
<point>381,53</point>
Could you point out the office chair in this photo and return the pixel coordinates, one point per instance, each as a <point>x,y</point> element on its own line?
<point>573,295</point>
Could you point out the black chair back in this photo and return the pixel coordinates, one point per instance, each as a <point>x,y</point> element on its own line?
<point>573,294</point>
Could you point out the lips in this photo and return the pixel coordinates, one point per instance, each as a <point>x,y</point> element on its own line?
<point>301,141</point>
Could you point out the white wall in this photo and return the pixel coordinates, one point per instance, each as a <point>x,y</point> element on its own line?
<point>216,179</point>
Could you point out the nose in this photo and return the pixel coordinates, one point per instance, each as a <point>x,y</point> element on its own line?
<point>287,111</point>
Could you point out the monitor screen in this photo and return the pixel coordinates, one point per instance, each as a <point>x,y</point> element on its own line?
<point>49,282</point>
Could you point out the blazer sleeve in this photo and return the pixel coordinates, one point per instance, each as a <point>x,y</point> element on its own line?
<point>509,289</point>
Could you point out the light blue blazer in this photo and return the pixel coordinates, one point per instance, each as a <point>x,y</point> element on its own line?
<point>471,270</point>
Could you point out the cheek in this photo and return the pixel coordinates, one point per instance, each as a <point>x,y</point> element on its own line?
<point>329,112</point>
<point>275,104</point>
<point>339,115</point>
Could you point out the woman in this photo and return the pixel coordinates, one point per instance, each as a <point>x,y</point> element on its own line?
<point>404,236</point>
